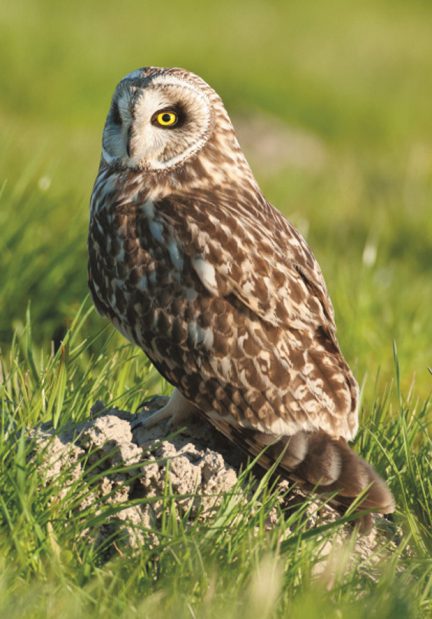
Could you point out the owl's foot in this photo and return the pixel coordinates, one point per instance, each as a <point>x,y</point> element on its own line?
<point>176,410</point>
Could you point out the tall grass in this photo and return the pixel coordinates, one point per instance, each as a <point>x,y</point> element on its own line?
<point>232,564</point>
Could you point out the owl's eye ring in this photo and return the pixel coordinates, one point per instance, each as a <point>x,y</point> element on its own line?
<point>166,119</point>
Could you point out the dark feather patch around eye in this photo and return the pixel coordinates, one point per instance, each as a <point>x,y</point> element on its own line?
<point>178,110</point>
<point>115,114</point>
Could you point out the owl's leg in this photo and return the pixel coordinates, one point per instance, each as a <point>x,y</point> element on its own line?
<point>176,410</point>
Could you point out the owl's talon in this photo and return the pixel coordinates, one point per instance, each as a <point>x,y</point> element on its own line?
<point>176,410</point>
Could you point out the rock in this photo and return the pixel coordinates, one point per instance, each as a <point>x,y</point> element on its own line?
<point>116,461</point>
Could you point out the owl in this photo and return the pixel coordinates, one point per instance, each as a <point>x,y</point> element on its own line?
<point>192,264</point>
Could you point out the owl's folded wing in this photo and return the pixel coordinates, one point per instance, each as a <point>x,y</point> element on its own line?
<point>262,261</point>
<point>262,340</point>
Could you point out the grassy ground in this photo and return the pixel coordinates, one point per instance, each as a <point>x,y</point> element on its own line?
<point>352,76</point>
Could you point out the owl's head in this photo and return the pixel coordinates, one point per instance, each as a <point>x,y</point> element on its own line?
<point>159,118</point>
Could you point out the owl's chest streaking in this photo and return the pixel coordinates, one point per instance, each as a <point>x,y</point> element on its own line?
<point>142,278</point>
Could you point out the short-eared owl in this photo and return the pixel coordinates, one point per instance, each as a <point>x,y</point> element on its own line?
<point>191,263</point>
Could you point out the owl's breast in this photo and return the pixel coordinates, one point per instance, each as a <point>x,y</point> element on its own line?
<point>141,277</point>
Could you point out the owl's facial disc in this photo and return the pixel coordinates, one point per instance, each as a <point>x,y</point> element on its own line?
<point>157,123</point>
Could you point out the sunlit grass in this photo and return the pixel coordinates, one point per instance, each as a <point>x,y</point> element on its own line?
<point>201,568</point>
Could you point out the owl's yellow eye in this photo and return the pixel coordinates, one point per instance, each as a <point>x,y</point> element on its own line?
<point>166,118</point>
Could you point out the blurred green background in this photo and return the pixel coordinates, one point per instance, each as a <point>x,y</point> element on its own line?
<point>333,100</point>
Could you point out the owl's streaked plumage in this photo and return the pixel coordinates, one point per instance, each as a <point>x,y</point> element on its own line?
<point>191,263</point>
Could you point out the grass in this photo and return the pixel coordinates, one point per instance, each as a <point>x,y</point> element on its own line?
<point>231,565</point>
<point>354,77</point>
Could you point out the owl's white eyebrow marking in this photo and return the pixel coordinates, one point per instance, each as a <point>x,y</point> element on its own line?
<point>171,80</point>
<point>206,272</point>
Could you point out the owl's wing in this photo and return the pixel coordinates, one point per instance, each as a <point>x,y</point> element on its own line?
<point>262,342</point>
<point>254,254</point>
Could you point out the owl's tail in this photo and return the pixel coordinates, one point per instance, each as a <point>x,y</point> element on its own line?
<point>318,462</point>
<point>331,466</point>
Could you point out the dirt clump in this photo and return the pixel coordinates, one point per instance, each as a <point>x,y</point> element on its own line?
<point>131,476</point>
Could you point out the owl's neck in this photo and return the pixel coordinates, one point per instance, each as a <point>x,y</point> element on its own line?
<point>220,167</point>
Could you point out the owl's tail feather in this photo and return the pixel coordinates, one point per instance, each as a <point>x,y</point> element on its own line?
<point>318,462</point>
<point>331,466</point>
